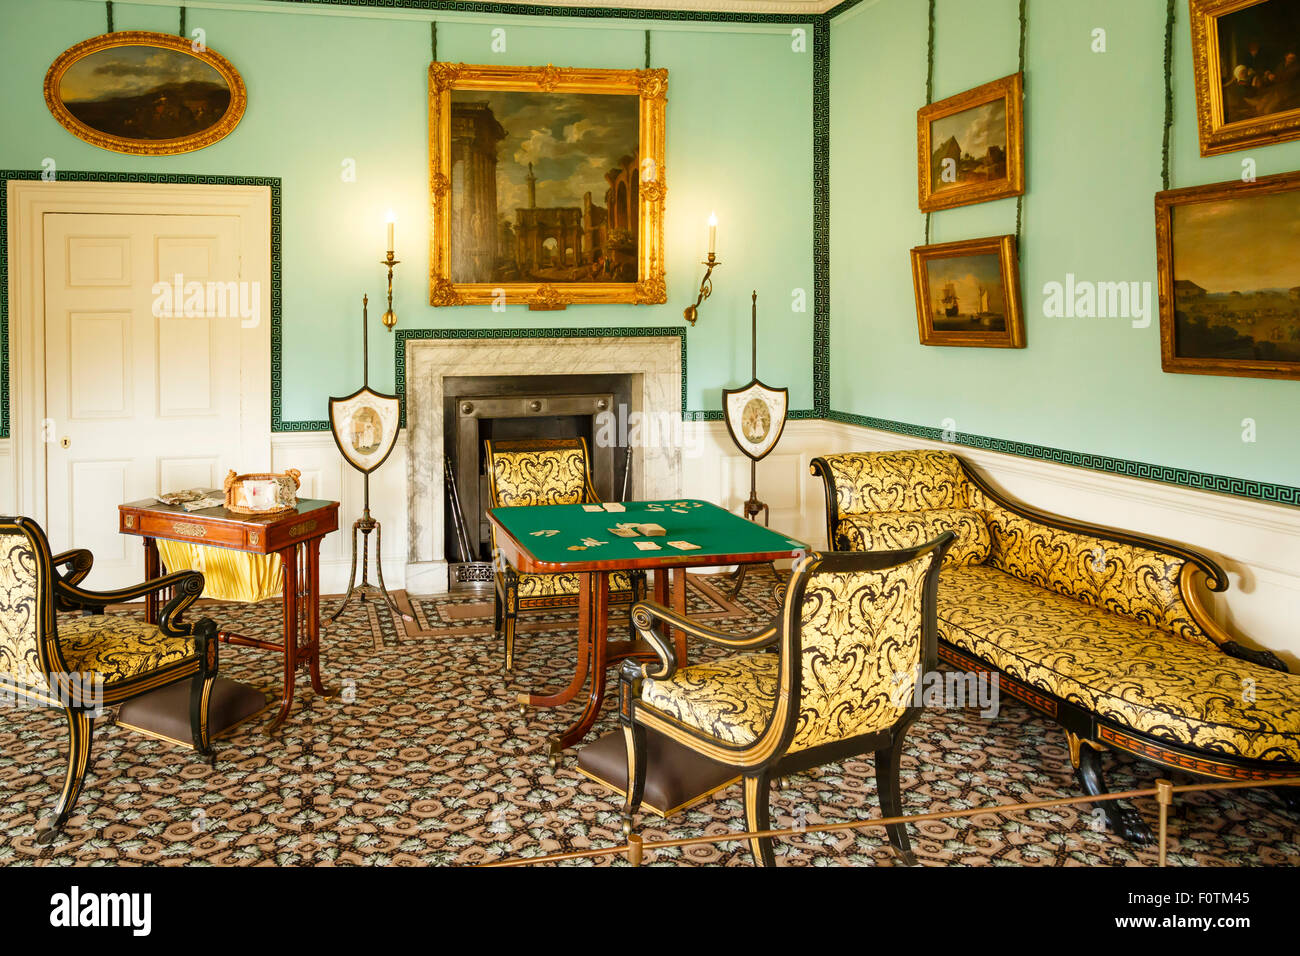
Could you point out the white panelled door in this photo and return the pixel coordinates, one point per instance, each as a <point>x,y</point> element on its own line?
<point>137,403</point>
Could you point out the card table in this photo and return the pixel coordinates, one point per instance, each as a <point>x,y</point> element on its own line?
<point>723,538</point>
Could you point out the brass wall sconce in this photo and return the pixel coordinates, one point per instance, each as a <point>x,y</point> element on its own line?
<point>692,312</point>
<point>389,317</point>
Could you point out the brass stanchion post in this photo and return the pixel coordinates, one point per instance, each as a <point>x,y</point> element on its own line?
<point>1164,797</point>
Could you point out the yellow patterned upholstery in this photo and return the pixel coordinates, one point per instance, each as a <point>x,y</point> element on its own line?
<point>551,585</point>
<point>545,476</point>
<point>1136,674</point>
<point>1137,582</point>
<point>897,481</point>
<point>730,699</point>
<point>861,635</point>
<point>893,530</point>
<point>117,647</point>
<point>548,476</point>
<point>19,653</point>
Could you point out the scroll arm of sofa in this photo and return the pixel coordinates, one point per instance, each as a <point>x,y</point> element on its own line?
<point>820,466</point>
<point>1189,586</point>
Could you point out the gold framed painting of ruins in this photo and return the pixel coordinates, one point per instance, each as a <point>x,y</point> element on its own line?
<point>547,185</point>
<point>1246,59</point>
<point>971,147</point>
<point>1225,260</point>
<point>968,293</point>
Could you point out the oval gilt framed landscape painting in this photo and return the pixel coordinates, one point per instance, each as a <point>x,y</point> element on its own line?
<point>152,94</point>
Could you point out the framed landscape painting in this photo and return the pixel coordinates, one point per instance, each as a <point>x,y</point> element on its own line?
<point>547,185</point>
<point>1246,56</point>
<point>1229,271</point>
<point>971,147</point>
<point>968,293</point>
<point>152,94</point>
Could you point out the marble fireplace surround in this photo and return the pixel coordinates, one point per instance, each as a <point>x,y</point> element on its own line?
<point>653,362</point>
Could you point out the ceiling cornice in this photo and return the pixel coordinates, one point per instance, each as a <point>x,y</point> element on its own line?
<point>809,8</point>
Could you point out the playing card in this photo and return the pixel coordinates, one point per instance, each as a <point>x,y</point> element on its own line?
<point>684,546</point>
<point>592,508</point>
<point>613,506</point>
<point>647,545</point>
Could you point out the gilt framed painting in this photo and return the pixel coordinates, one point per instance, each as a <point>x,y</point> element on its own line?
<point>151,94</point>
<point>968,293</point>
<point>1246,59</point>
<point>547,185</point>
<point>1228,256</point>
<point>971,147</point>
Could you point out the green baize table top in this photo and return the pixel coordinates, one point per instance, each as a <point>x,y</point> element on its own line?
<point>550,533</point>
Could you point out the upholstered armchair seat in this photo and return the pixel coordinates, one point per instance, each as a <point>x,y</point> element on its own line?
<point>730,699</point>
<point>116,647</point>
<point>82,664</point>
<point>1134,674</point>
<point>854,637</point>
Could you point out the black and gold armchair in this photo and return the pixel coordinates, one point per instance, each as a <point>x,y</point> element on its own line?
<point>550,471</point>
<point>854,636</point>
<point>83,664</point>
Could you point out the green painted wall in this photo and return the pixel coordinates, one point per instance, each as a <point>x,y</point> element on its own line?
<point>323,88</point>
<point>1093,137</point>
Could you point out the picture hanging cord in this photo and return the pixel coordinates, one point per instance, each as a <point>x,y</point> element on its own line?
<point>929,97</point>
<point>1020,200</point>
<point>1169,92</point>
<point>109,6</point>
<point>647,49</point>
<point>182,31</point>
<point>929,90</point>
<point>433,38</point>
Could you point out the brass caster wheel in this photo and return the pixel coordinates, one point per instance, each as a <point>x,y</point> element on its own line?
<point>627,827</point>
<point>523,710</point>
<point>46,837</point>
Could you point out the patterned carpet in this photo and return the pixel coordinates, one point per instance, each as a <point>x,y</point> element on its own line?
<point>425,760</point>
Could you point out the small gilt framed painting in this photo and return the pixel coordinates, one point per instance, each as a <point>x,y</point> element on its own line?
<point>971,147</point>
<point>364,425</point>
<point>968,293</point>
<point>1246,57</point>
<point>547,185</point>
<point>152,94</point>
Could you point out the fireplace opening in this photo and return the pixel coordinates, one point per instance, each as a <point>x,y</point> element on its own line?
<point>477,408</point>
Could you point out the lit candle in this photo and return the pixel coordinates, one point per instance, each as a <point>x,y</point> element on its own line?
<point>713,232</point>
<point>390,219</point>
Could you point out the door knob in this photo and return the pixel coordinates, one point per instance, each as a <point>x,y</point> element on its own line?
<point>535,406</point>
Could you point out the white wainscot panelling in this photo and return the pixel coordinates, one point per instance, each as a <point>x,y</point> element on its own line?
<point>1258,544</point>
<point>326,475</point>
<point>715,470</point>
<point>8,500</point>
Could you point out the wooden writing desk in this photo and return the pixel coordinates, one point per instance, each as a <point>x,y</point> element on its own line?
<point>294,535</point>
